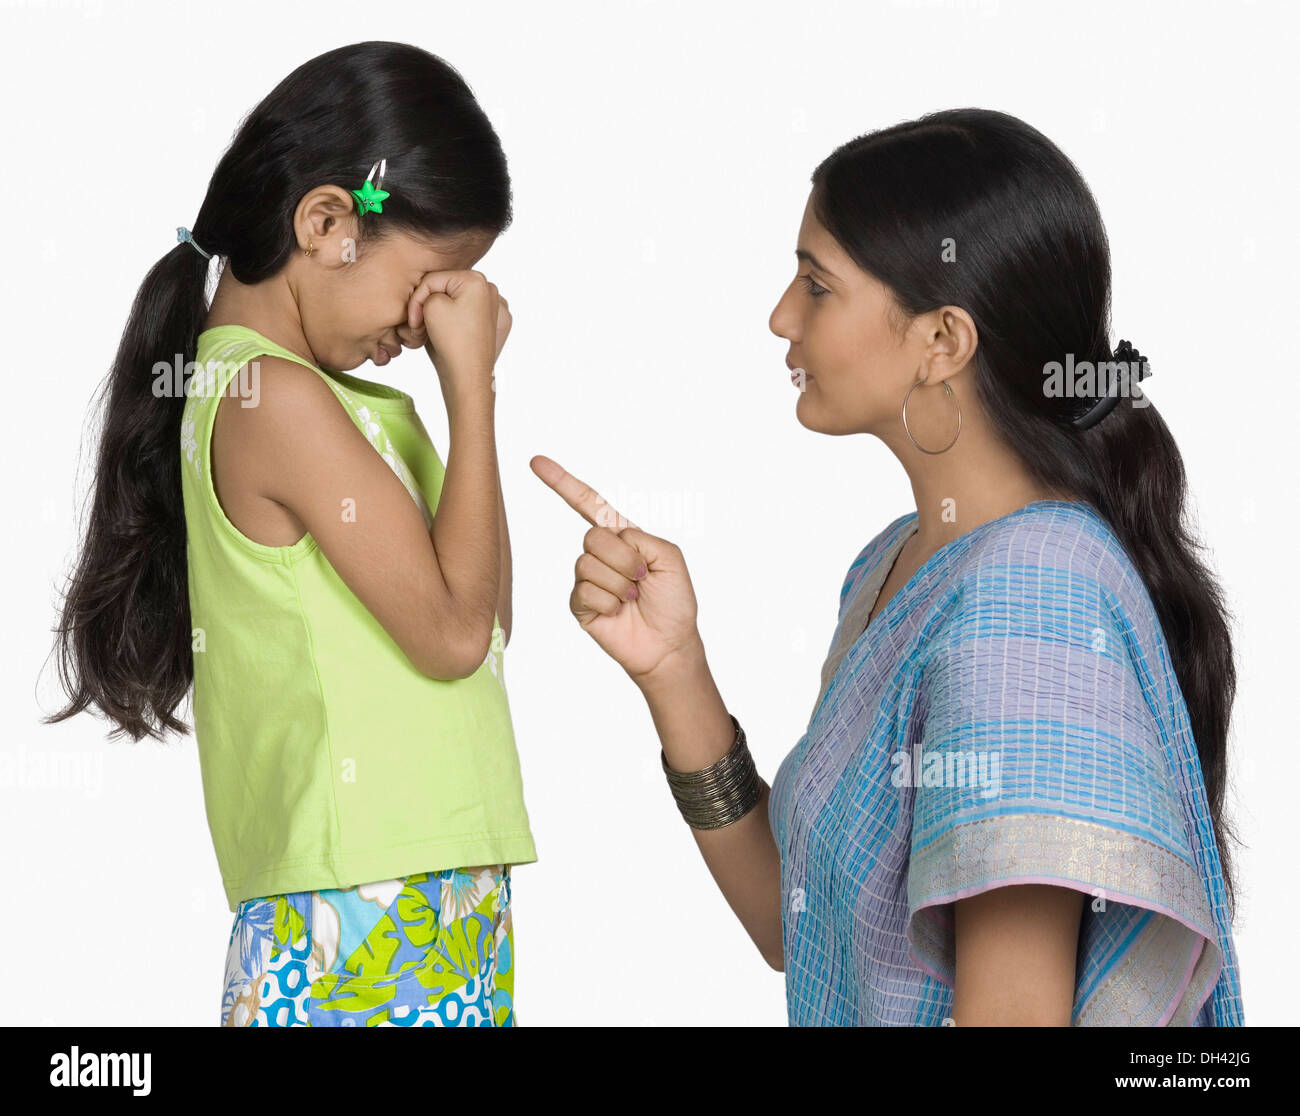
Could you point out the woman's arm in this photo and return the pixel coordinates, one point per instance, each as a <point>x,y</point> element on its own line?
<point>632,594</point>
<point>1017,948</point>
<point>695,730</point>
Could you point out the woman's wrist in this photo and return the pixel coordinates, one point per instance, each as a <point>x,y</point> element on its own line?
<point>721,794</point>
<point>683,666</point>
<point>695,729</point>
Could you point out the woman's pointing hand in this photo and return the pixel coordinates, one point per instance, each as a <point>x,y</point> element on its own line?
<point>631,593</point>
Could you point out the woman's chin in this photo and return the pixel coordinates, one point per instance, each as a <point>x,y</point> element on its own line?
<point>815,415</point>
<point>805,412</point>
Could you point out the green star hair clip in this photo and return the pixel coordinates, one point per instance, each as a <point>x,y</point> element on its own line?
<point>370,196</point>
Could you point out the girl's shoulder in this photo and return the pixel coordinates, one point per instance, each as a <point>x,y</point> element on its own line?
<point>239,342</point>
<point>230,343</point>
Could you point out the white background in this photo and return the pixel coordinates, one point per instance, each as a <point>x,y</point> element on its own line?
<point>660,155</point>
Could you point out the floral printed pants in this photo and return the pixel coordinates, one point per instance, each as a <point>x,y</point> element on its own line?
<point>434,949</point>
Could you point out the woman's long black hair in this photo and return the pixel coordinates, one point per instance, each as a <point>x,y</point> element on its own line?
<point>1032,269</point>
<point>124,640</point>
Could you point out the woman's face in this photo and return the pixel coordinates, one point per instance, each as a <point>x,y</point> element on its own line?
<point>353,299</point>
<point>837,319</point>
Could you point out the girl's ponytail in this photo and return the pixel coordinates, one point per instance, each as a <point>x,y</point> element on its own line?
<point>123,640</point>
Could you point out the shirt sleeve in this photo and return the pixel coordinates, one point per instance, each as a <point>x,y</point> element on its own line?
<point>1039,761</point>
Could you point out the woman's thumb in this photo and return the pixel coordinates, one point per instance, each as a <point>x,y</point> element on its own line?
<point>658,553</point>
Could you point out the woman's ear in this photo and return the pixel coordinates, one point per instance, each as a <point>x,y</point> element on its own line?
<point>325,218</point>
<point>951,342</point>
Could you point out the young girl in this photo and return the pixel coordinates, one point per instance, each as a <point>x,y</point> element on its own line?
<point>1008,805</point>
<point>284,535</point>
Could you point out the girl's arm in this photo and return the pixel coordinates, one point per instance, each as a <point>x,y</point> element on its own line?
<point>1017,948</point>
<point>467,526</point>
<point>432,589</point>
<point>504,587</point>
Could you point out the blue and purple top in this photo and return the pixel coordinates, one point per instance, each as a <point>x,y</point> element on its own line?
<point>1012,716</point>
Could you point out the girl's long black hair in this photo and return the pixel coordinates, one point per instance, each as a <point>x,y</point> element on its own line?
<point>1032,269</point>
<point>123,641</point>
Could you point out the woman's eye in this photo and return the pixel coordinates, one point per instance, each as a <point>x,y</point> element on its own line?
<point>812,287</point>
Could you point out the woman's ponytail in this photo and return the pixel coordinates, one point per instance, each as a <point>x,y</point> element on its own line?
<point>1142,492</point>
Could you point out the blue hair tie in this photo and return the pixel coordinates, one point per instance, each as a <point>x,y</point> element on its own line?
<point>184,236</point>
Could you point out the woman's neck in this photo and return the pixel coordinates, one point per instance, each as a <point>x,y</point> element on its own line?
<point>977,480</point>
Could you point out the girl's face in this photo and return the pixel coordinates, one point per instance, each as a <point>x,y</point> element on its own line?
<point>840,325</point>
<point>353,299</point>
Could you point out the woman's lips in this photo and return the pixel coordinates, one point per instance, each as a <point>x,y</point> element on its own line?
<point>799,377</point>
<point>383,354</point>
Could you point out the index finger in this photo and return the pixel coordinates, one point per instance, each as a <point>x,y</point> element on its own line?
<point>582,498</point>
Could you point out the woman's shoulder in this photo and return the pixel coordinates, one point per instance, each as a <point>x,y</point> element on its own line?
<point>1064,537</point>
<point>1053,568</point>
<point>870,555</point>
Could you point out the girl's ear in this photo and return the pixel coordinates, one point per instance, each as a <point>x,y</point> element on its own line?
<point>324,217</point>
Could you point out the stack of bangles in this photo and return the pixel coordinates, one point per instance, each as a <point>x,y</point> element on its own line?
<point>719,794</point>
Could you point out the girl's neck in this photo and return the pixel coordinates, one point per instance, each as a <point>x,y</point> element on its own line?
<point>267,307</point>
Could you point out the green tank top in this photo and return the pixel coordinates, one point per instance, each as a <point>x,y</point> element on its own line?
<point>327,759</point>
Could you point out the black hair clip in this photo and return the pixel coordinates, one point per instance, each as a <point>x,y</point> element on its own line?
<point>1125,354</point>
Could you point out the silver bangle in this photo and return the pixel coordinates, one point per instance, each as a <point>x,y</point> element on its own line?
<point>717,795</point>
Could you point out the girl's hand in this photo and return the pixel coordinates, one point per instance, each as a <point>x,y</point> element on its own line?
<point>504,321</point>
<point>640,632</point>
<point>415,337</point>
<point>462,321</point>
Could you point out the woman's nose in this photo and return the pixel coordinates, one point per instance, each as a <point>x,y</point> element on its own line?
<point>781,322</point>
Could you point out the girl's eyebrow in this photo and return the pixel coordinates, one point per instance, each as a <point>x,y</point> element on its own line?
<point>803,254</point>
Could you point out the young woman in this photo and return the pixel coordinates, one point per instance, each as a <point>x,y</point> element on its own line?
<point>284,535</point>
<point>1008,804</point>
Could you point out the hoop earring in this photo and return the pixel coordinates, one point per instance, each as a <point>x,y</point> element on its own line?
<point>947,389</point>
<point>309,249</point>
